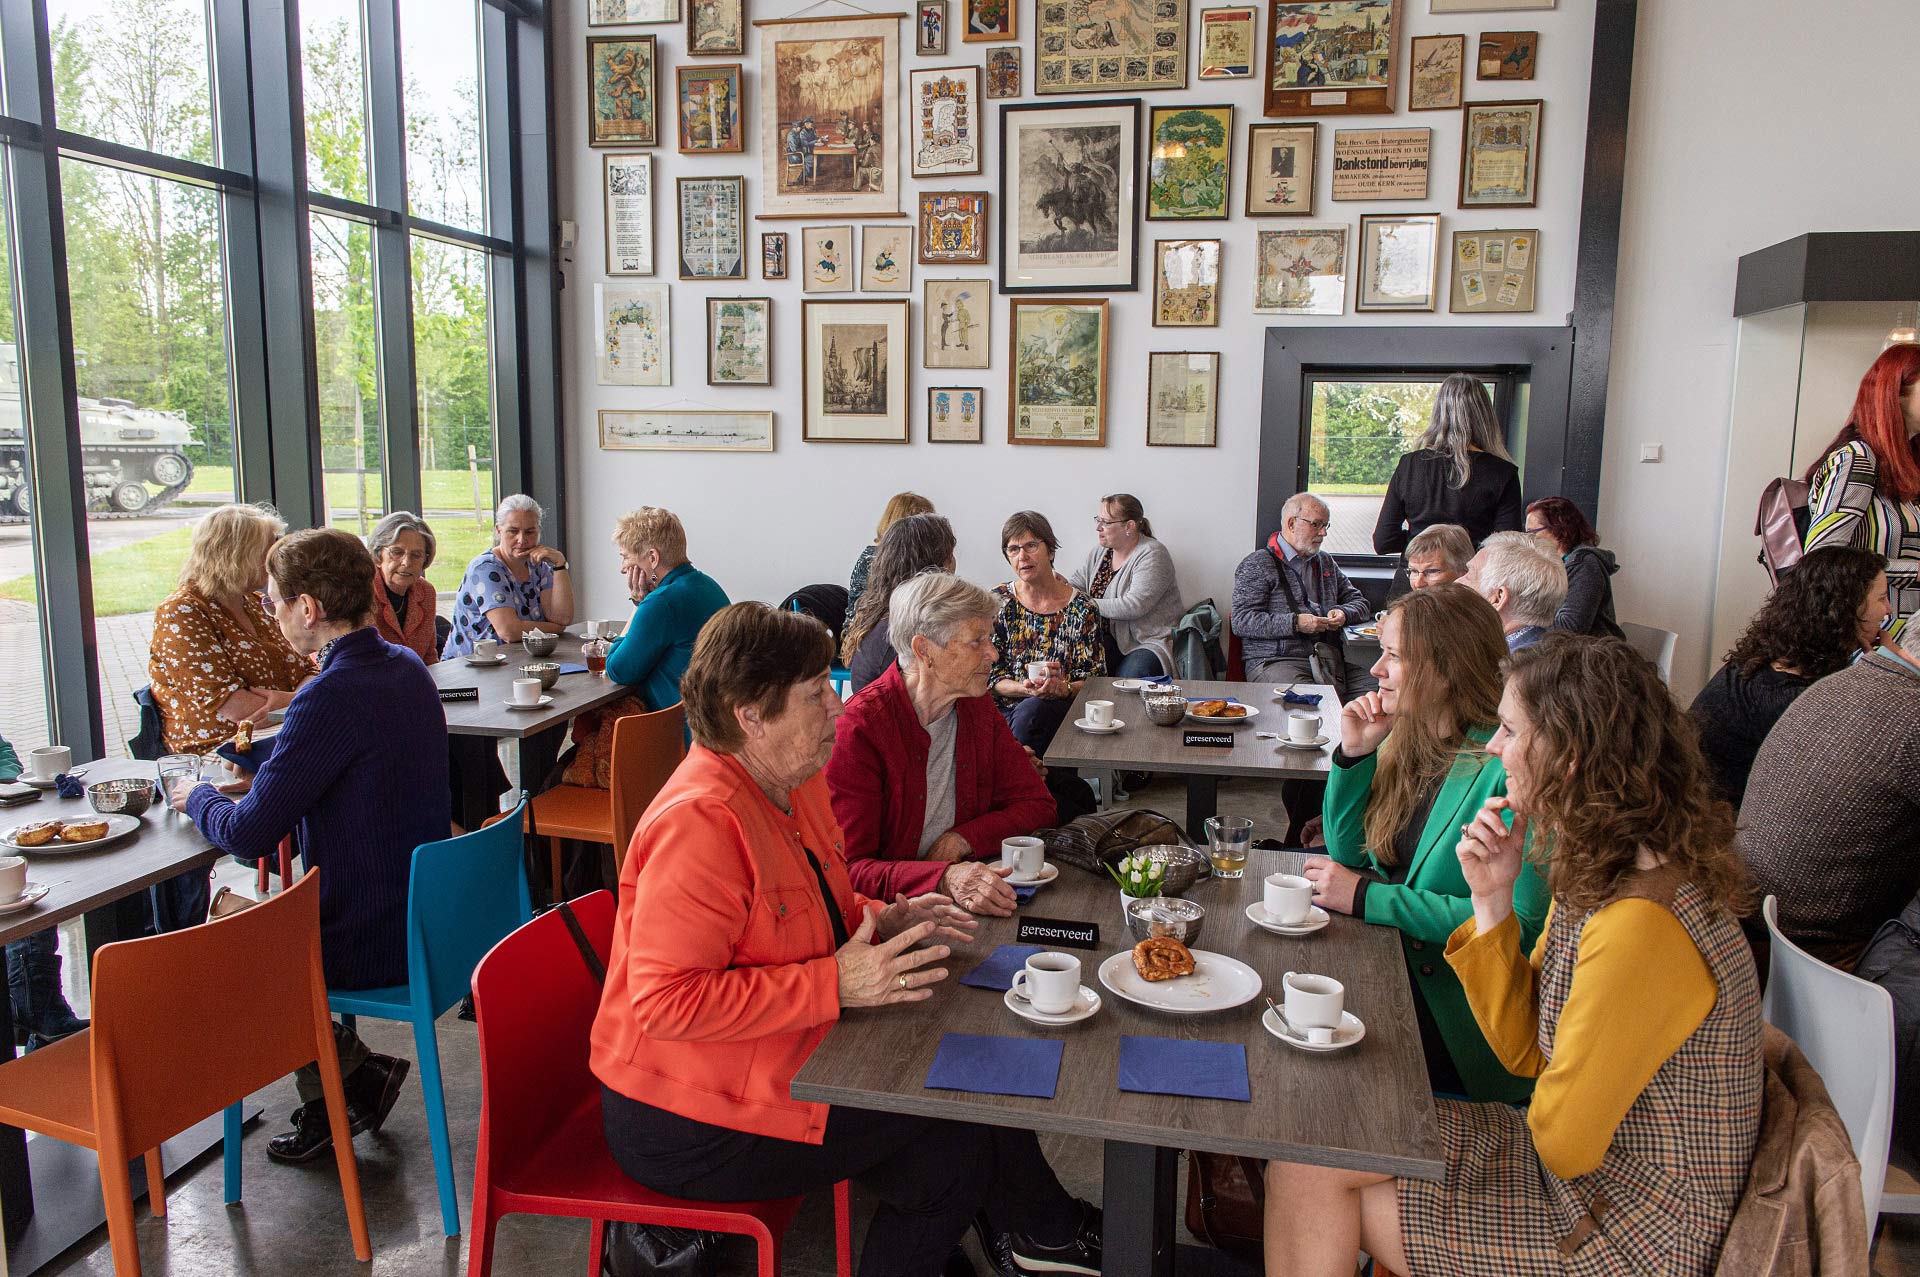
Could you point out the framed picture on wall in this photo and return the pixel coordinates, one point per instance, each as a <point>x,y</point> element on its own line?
<point>1280,166</point>
<point>773,254</point>
<point>1500,154</point>
<point>1093,46</point>
<point>1436,73</point>
<point>826,257</point>
<point>635,337</point>
<point>1399,261</point>
<point>621,13</point>
<point>1189,162</point>
<point>1186,283</point>
<point>930,27</point>
<point>713,227</point>
<point>856,375</point>
<point>886,259</point>
<point>1506,55</point>
<point>1301,271</point>
<point>1003,72</point>
<point>1229,39</point>
<point>953,228</point>
<point>709,108</point>
<point>685,430</point>
<point>1183,398</point>
<point>1067,175</point>
<point>716,27</point>
<point>739,341</point>
<point>627,184</point>
<point>956,323</point>
<point>1332,57</point>
<point>1381,164</point>
<point>1487,6</point>
<point>829,108</point>
<point>623,90</point>
<point>1057,371</point>
<point>989,20</point>
<point>953,413</point>
<point>1493,272</point>
<point>945,116</point>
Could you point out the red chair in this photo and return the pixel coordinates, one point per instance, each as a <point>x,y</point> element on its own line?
<point>541,1147</point>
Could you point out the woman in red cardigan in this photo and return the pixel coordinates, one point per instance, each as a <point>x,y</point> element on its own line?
<point>926,776</point>
<point>405,604</point>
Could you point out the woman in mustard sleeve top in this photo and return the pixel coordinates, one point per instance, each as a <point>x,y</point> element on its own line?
<point>1638,1012</point>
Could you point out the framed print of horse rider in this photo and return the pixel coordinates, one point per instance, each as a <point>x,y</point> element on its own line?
<point>1068,176</point>
<point>829,113</point>
<point>1332,57</point>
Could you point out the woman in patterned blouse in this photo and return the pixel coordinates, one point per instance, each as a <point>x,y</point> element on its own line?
<point>1042,618</point>
<point>517,585</point>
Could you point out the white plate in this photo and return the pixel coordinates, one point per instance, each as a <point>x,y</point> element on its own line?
<point>542,703</point>
<point>499,658</point>
<point>1318,742</point>
<point>1085,1004</point>
<point>118,827</point>
<point>33,895</point>
<point>1253,712</point>
<point>1316,919</point>
<point>1349,1032</point>
<point>1098,730</point>
<point>1128,684</point>
<point>1046,875</point>
<point>1218,983</point>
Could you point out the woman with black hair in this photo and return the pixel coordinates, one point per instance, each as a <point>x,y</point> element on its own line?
<point>1834,603</point>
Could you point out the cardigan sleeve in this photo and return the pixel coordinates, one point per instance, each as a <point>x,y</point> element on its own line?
<point>1019,801</point>
<point>857,783</point>
<point>1432,916</point>
<point>309,754</point>
<point>1352,602</point>
<point>1344,812</point>
<point>1390,530</point>
<point>1148,576</point>
<point>1586,591</point>
<point>648,636</point>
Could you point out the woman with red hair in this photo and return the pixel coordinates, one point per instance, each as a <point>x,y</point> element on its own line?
<point>1865,489</point>
<point>1557,523</point>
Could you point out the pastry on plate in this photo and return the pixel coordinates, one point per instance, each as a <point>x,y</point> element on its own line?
<point>1219,709</point>
<point>36,835</point>
<point>83,830</point>
<point>1162,958</point>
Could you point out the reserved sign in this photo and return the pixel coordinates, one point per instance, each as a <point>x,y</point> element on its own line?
<point>459,694</point>
<point>1381,164</point>
<point>1058,931</point>
<point>1211,740</point>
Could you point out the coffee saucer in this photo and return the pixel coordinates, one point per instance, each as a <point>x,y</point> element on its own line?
<point>542,703</point>
<point>1086,725</point>
<point>33,895</point>
<point>499,658</point>
<point>1128,684</point>
<point>1046,875</point>
<point>1318,742</point>
<point>1349,1032</point>
<point>36,781</point>
<point>1316,919</point>
<point>1085,1004</point>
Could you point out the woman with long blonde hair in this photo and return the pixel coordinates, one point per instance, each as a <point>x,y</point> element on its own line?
<point>1458,471</point>
<point>1412,767</point>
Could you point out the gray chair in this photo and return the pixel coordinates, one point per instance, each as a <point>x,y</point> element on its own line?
<point>1653,643</point>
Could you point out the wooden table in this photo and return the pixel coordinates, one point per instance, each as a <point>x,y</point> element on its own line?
<point>1146,747</point>
<point>1367,1108</point>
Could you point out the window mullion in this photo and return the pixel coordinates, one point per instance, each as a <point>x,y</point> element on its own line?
<point>392,254</point>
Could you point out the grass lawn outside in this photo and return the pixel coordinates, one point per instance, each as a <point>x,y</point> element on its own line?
<point>441,489</point>
<point>1351,489</point>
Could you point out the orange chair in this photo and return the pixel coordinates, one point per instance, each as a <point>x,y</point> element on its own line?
<point>164,1052</point>
<point>646,749</point>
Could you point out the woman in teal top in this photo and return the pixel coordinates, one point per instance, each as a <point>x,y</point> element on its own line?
<point>1411,769</point>
<point>672,599</point>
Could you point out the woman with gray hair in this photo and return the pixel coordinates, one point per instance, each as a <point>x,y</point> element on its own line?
<point>926,776</point>
<point>514,586</point>
<point>405,604</point>
<point>1459,471</point>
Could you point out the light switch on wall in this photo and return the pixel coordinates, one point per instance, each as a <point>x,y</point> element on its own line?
<point>1649,452</point>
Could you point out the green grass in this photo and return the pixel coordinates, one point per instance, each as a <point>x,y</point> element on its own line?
<point>441,489</point>
<point>1350,489</point>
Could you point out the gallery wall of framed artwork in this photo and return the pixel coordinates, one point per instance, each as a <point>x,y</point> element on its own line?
<point>856,371</point>
<point>1068,175</point>
<point>1057,371</point>
<point>623,91</point>
<point>829,107</point>
<point>626,183</point>
<point>1332,57</point>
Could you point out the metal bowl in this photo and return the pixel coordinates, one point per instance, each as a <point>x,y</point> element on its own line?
<point>539,643</point>
<point>1181,865</point>
<point>1165,706</point>
<point>548,672</point>
<point>128,797</point>
<point>1165,916</point>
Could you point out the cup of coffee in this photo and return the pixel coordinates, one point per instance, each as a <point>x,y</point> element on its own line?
<point>1313,1004</point>
<point>1050,982</point>
<point>526,691</point>
<point>1039,671</point>
<point>1026,856</point>
<point>1303,727</point>
<point>1288,899</point>
<point>48,761</point>
<point>1100,713</point>
<point>593,630</point>
<point>13,877</point>
<point>485,649</point>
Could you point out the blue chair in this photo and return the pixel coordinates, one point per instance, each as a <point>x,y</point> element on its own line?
<point>464,895</point>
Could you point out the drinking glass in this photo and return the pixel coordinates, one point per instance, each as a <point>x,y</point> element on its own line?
<point>172,767</point>
<point>1228,838</point>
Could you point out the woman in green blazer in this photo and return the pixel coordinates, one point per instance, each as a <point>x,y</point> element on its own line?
<point>1411,771</point>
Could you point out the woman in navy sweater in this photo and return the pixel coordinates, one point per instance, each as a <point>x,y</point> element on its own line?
<point>358,775</point>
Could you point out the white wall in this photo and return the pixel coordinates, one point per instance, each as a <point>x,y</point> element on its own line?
<point>764,524</point>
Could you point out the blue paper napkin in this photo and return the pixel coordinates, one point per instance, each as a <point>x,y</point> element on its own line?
<point>1158,678</point>
<point>997,971</point>
<point>1024,894</point>
<point>249,762</point>
<point>1300,698</point>
<point>67,785</point>
<point>1169,1066</point>
<point>996,1065</point>
<point>569,667</point>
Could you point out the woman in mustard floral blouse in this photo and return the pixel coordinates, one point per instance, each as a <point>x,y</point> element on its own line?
<point>1042,618</point>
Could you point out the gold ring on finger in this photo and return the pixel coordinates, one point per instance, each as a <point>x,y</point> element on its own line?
<point>903,981</point>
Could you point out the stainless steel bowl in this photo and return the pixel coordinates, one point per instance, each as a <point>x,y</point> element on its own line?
<point>538,643</point>
<point>1165,916</point>
<point>1165,706</point>
<point>129,797</point>
<point>548,672</point>
<point>1182,866</point>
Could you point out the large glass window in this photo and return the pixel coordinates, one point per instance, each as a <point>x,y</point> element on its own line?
<point>23,693</point>
<point>135,72</point>
<point>334,86</point>
<point>347,371</point>
<point>454,380</point>
<point>440,58</point>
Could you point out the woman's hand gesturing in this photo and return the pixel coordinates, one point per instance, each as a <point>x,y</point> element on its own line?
<point>875,975</point>
<point>1364,723</point>
<point>1490,858</point>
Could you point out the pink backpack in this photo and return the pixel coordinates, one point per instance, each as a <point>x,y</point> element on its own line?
<point>1781,524</point>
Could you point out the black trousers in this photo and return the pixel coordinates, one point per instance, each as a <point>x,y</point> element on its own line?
<point>931,1176</point>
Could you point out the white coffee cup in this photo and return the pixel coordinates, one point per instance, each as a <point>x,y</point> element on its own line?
<point>48,761</point>
<point>13,877</point>
<point>1303,727</point>
<point>1026,856</point>
<point>593,630</point>
<point>526,691</point>
<point>1288,899</point>
<point>1313,1004</point>
<point>1039,671</point>
<point>1100,713</point>
<point>485,649</point>
<point>1050,982</point>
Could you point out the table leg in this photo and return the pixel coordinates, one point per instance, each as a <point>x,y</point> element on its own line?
<point>1107,778</point>
<point>1203,800</point>
<point>16,1178</point>
<point>1137,1197</point>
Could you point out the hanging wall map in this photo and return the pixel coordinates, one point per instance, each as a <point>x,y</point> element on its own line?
<point>1103,46</point>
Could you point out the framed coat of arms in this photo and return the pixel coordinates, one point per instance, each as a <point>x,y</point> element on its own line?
<point>953,228</point>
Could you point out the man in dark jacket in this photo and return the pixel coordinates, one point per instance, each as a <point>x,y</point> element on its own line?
<point>1291,598</point>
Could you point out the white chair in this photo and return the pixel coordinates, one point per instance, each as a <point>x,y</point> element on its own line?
<point>1653,643</point>
<point>1844,1026</point>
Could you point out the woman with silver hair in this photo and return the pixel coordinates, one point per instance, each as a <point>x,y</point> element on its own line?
<point>1459,471</point>
<point>404,606</point>
<point>515,586</point>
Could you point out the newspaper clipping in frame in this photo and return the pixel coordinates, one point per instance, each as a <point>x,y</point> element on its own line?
<point>629,214</point>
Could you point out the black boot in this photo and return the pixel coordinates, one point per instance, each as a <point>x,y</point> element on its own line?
<point>40,1009</point>
<point>372,1090</point>
<point>1014,1254</point>
<point>309,1138</point>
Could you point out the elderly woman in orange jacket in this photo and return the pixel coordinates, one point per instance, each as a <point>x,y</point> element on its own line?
<point>738,942</point>
<point>404,604</point>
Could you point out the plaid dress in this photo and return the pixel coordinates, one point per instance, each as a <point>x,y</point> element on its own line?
<point>1664,1196</point>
